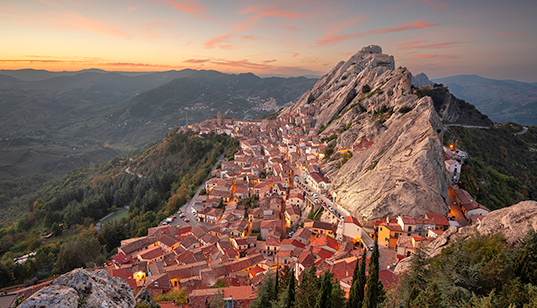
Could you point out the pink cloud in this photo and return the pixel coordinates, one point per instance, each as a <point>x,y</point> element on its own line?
<point>187,7</point>
<point>294,54</point>
<point>217,41</point>
<point>334,38</point>
<point>419,44</point>
<point>196,61</point>
<point>290,28</point>
<point>272,12</point>
<point>256,14</point>
<point>87,62</point>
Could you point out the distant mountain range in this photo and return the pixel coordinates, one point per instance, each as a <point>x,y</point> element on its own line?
<point>62,115</point>
<point>501,100</point>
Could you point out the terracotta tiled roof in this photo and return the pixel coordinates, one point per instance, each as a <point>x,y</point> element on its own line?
<point>352,219</point>
<point>440,220</point>
<point>151,253</point>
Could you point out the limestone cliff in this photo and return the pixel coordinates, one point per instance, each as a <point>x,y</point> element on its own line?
<point>403,171</point>
<point>514,222</point>
<point>80,288</point>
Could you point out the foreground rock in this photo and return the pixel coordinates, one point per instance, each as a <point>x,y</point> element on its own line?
<point>80,288</point>
<point>513,222</point>
<point>403,171</point>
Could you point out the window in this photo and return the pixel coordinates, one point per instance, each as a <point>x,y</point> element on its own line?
<point>409,228</point>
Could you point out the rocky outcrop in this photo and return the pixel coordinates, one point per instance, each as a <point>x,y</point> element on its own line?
<point>513,222</point>
<point>421,80</point>
<point>403,171</point>
<point>453,110</point>
<point>80,288</point>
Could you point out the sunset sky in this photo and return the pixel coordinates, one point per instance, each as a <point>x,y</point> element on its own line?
<point>494,39</point>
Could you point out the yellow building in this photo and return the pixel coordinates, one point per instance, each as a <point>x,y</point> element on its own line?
<point>388,234</point>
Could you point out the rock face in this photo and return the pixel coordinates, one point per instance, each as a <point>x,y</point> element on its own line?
<point>421,80</point>
<point>80,288</point>
<point>453,110</point>
<point>403,171</point>
<point>514,222</point>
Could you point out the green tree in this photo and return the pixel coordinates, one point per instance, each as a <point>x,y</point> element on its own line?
<point>308,288</point>
<point>525,265</point>
<point>415,278</point>
<point>338,295</point>
<point>265,293</point>
<point>356,294</point>
<point>324,298</point>
<point>374,292</point>
<point>311,98</point>
<point>290,300</point>
<point>430,298</point>
<point>366,88</point>
<point>55,229</point>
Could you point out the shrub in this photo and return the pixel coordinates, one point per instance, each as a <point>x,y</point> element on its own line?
<point>366,89</point>
<point>405,109</point>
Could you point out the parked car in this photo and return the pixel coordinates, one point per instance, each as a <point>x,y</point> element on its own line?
<point>186,219</point>
<point>182,215</point>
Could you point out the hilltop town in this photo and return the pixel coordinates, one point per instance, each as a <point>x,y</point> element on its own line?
<point>270,207</point>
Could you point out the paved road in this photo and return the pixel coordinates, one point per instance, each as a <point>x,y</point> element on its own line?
<point>187,208</point>
<point>467,126</point>
<point>524,130</point>
<point>322,198</point>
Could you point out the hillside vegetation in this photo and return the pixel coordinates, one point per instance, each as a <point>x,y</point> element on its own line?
<point>160,180</point>
<point>477,272</point>
<point>501,168</point>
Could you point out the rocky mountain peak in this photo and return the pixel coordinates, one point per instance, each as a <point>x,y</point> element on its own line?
<point>367,98</point>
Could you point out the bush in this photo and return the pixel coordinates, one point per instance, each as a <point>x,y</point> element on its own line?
<point>405,109</point>
<point>366,89</point>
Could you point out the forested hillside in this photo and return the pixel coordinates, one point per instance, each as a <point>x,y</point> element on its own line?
<point>501,168</point>
<point>153,184</point>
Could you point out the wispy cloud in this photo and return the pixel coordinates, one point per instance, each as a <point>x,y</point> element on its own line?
<point>294,54</point>
<point>420,44</point>
<point>189,7</point>
<point>219,41</point>
<point>334,38</point>
<point>87,63</point>
<point>255,14</point>
<point>196,61</point>
<point>228,41</point>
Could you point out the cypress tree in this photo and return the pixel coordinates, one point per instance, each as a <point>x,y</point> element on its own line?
<point>264,293</point>
<point>338,295</point>
<point>372,290</point>
<point>308,289</point>
<point>324,299</point>
<point>356,294</point>
<point>290,300</point>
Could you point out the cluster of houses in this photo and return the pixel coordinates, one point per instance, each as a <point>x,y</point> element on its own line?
<point>252,219</point>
